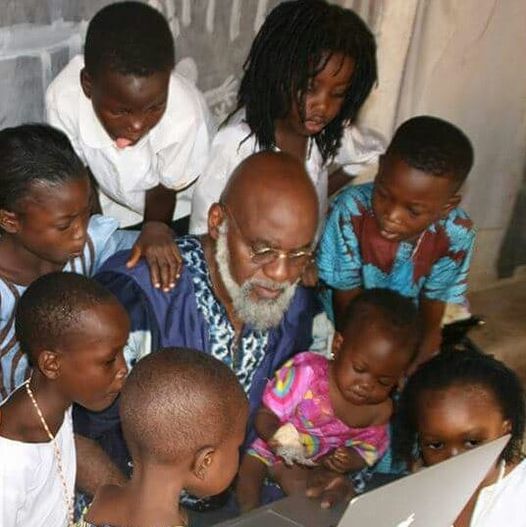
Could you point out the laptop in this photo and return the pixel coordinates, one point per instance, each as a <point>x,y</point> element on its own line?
<point>432,497</point>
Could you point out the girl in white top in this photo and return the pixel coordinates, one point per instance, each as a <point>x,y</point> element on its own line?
<point>309,71</point>
<point>74,332</point>
<point>454,403</point>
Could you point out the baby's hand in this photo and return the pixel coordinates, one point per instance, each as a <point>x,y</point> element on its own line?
<point>342,460</point>
<point>156,243</point>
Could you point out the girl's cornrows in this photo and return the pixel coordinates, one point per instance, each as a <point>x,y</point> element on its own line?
<point>462,368</point>
<point>293,46</point>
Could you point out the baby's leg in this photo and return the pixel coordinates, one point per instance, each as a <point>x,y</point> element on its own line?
<point>249,482</point>
<point>292,480</point>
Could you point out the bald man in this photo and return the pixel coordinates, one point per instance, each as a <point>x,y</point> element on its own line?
<point>238,297</point>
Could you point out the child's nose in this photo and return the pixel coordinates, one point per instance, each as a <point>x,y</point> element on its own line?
<point>137,124</point>
<point>321,102</point>
<point>454,451</point>
<point>393,214</point>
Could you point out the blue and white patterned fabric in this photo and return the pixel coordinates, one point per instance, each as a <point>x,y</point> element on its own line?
<point>243,358</point>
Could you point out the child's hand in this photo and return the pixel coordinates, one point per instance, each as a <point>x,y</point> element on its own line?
<point>329,486</point>
<point>309,278</point>
<point>341,460</point>
<point>156,243</point>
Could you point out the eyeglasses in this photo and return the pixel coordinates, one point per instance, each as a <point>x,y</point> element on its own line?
<point>262,255</point>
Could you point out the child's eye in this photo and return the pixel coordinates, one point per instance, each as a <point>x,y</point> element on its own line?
<point>339,95</point>
<point>414,213</point>
<point>111,361</point>
<point>63,227</point>
<point>472,443</point>
<point>157,107</point>
<point>385,382</point>
<point>119,112</point>
<point>434,445</point>
<point>358,369</point>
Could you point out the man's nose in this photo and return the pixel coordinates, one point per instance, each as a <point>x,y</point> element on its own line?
<point>278,270</point>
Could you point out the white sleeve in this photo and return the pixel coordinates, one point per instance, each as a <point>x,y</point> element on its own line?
<point>228,150</point>
<point>57,117</point>
<point>360,148</point>
<point>183,162</point>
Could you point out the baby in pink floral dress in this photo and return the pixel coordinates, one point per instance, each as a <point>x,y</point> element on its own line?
<point>340,408</point>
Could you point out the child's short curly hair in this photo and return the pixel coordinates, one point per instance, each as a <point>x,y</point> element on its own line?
<point>130,38</point>
<point>177,400</point>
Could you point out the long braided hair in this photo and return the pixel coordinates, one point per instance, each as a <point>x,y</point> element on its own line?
<point>294,44</point>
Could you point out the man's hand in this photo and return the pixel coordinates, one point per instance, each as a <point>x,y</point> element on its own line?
<point>343,460</point>
<point>330,486</point>
<point>156,243</point>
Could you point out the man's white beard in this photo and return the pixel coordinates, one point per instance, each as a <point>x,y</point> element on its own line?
<point>261,314</point>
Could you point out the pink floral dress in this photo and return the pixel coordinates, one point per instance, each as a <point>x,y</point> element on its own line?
<point>299,394</point>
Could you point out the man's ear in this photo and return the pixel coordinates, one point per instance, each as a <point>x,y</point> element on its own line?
<point>451,203</point>
<point>203,460</point>
<point>9,221</point>
<point>337,341</point>
<point>216,216</point>
<point>49,363</point>
<point>86,82</point>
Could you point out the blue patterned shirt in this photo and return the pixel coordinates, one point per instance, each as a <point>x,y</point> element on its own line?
<point>352,252</point>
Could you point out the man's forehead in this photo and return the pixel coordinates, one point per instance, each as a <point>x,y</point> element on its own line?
<point>276,223</point>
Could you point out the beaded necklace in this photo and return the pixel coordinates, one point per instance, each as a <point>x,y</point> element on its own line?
<point>58,455</point>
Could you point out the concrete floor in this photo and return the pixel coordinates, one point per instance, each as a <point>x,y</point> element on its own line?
<point>504,334</point>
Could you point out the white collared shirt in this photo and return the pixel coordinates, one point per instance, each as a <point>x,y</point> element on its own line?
<point>173,153</point>
<point>233,143</point>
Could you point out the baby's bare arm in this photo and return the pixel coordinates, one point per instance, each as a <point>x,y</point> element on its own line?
<point>266,423</point>
<point>94,467</point>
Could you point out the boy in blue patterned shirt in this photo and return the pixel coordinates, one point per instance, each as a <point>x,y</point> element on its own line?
<point>405,231</point>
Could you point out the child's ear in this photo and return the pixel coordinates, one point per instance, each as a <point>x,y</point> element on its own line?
<point>86,82</point>
<point>9,221</point>
<point>202,462</point>
<point>506,427</point>
<point>49,363</point>
<point>451,203</point>
<point>216,216</point>
<point>337,342</point>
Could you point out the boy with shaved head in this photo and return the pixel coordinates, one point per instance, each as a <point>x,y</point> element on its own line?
<point>171,449</point>
<point>238,298</point>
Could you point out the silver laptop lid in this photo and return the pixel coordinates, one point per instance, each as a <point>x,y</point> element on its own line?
<point>432,497</point>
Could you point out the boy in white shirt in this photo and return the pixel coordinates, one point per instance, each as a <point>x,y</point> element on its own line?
<point>143,130</point>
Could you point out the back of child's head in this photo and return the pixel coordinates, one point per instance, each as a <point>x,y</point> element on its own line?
<point>466,370</point>
<point>129,38</point>
<point>435,147</point>
<point>177,401</point>
<point>50,310</point>
<point>394,313</point>
<point>294,44</point>
<point>34,154</point>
